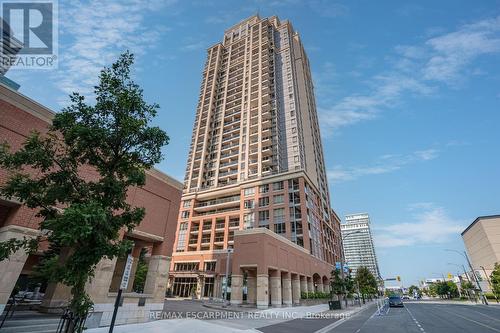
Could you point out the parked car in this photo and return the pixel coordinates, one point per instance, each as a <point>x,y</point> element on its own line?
<point>395,301</point>
<point>406,297</point>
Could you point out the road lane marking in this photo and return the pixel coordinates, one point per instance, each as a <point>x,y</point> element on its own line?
<point>473,321</point>
<point>415,320</point>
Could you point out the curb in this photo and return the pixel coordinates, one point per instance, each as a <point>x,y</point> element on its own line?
<point>351,314</point>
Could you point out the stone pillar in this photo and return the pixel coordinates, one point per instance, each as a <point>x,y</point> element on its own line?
<point>236,289</point>
<point>98,288</point>
<point>136,252</point>
<point>57,295</point>
<point>295,289</point>
<point>11,268</point>
<point>262,291</point>
<point>303,284</point>
<point>157,277</point>
<point>286,289</point>
<point>275,281</point>
<point>319,287</point>
<point>310,285</point>
<point>251,289</point>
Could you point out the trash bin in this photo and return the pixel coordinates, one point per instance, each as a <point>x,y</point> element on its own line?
<point>334,305</point>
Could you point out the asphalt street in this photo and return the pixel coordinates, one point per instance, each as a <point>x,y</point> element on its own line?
<point>420,317</point>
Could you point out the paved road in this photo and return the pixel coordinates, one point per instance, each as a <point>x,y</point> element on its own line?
<point>418,317</point>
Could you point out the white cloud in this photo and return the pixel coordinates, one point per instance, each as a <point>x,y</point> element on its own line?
<point>415,70</point>
<point>384,164</point>
<point>431,225</point>
<point>95,32</point>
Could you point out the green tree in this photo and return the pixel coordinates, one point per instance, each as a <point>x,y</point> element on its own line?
<point>414,289</point>
<point>366,281</point>
<point>82,215</point>
<point>495,280</point>
<point>337,283</point>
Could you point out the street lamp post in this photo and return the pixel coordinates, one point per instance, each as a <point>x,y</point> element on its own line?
<point>464,254</point>
<point>229,251</point>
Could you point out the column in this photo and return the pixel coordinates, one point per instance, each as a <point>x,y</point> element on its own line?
<point>275,282</point>
<point>319,287</point>
<point>157,277</point>
<point>251,289</point>
<point>303,284</point>
<point>262,291</point>
<point>98,288</point>
<point>236,289</point>
<point>11,268</point>
<point>310,285</point>
<point>286,289</point>
<point>136,252</point>
<point>295,289</point>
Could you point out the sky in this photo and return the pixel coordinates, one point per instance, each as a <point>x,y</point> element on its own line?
<point>408,97</point>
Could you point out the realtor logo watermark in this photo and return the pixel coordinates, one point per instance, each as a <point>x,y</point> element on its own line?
<point>29,38</point>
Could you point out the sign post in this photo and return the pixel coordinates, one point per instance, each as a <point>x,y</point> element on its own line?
<point>123,285</point>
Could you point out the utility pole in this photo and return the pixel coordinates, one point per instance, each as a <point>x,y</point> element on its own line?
<point>477,280</point>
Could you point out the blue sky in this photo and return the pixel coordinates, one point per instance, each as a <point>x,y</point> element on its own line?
<point>408,96</point>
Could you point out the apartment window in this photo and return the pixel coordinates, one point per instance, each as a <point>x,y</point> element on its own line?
<point>186,203</point>
<point>280,228</point>
<point>278,186</point>
<point>185,214</point>
<point>248,204</point>
<point>264,188</point>
<point>210,266</point>
<point>248,220</point>
<point>294,139</point>
<point>263,201</point>
<point>186,266</point>
<point>249,191</point>
<point>279,215</point>
<point>296,159</point>
<point>205,239</point>
<point>181,241</point>
<point>278,199</point>
<point>207,225</point>
<point>294,130</point>
<point>263,217</point>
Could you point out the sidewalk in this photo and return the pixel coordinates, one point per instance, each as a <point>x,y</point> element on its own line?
<point>235,322</point>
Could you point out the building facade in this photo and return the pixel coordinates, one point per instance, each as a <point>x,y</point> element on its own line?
<point>482,242</point>
<point>255,174</point>
<point>153,238</point>
<point>358,245</point>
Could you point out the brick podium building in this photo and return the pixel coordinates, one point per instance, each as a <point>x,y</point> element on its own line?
<point>255,178</point>
<point>154,237</point>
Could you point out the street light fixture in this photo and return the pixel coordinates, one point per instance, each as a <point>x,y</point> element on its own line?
<point>464,254</point>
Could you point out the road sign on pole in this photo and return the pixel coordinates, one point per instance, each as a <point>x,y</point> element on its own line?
<point>123,286</point>
<point>126,272</point>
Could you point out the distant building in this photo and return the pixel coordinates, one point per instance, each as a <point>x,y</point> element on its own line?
<point>9,47</point>
<point>482,242</point>
<point>358,245</point>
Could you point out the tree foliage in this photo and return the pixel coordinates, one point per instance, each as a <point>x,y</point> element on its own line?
<point>495,280</point>
<point>367,282</point>
<point>81,170</point>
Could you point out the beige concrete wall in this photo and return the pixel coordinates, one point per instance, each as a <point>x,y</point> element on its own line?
<point>12,267</point>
